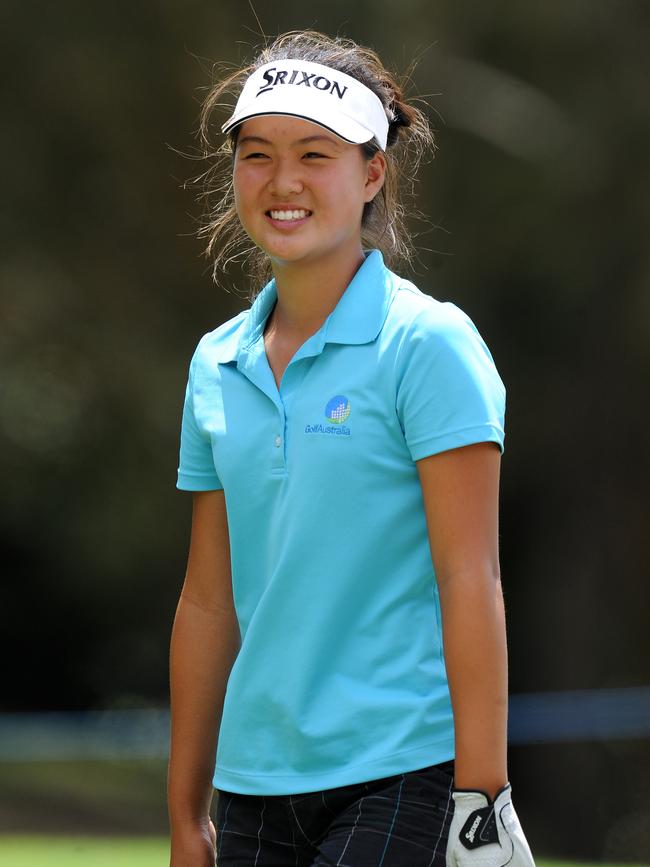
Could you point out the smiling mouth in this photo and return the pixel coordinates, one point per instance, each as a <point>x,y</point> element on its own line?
<point>289,216</point>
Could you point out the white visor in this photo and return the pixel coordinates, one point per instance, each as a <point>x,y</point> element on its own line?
<point>318,93</point>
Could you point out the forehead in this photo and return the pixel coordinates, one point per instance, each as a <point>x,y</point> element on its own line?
<point>282,129</point>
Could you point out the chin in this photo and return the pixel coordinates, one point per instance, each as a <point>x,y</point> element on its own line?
<point>285,254</point>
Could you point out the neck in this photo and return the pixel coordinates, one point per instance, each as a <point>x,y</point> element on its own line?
<point>308,292</point>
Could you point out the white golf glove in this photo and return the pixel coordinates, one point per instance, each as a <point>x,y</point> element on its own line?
<point>485,833</point>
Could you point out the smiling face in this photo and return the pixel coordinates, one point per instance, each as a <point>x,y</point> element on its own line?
<point>300,189</point>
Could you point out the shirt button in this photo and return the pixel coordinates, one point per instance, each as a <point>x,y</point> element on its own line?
<point>278,441</point>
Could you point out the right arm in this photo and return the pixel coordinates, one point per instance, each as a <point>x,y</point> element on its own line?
<point>204,644</point>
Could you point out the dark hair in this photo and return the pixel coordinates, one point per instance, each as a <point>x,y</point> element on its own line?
<point>409,138</point>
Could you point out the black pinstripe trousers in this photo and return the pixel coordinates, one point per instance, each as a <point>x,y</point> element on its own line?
<point>398,821</point>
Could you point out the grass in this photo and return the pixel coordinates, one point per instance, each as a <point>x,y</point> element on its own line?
<point>29,850</point>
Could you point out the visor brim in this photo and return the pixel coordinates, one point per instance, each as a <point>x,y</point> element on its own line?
<point>346,128</point>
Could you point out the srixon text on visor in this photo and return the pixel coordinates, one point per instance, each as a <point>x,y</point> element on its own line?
<point>278,76</point>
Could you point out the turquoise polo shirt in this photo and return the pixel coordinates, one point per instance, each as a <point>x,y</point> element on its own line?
<point>341,676</point>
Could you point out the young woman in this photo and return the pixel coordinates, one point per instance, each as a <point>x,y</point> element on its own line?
<point>338,655</point>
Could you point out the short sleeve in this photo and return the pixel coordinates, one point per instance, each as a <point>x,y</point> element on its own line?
<point>449,393</point>
<point>196,471</point>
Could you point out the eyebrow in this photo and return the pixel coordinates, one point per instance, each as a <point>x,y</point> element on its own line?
<point>306,140</point>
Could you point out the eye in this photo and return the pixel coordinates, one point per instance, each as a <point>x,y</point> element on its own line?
<point>253,156</point>
<point>315,154</point>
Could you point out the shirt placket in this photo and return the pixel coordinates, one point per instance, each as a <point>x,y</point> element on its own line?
<point>254,365</point>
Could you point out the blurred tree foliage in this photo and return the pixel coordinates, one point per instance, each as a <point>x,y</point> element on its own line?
<point>538,200</point>
<point>538,205</point>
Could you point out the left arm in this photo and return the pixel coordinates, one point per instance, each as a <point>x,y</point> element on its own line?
<point>460,489</point>
<point>451,404</point>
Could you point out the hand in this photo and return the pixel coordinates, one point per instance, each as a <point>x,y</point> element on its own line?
<point>194,846</point>
<point>486,833</point>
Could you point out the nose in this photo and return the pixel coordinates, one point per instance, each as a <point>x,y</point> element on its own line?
<point>286,178</point>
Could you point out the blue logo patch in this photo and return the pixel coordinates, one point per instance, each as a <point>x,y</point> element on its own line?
<point>337,409</point>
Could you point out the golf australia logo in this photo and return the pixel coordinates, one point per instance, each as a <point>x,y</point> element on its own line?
<point>338,409</point>
<point>337,412</point>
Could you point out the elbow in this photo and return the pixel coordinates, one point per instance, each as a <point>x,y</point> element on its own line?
<point>472,574</point>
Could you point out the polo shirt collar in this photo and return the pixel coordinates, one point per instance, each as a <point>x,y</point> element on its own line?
<point>357,318</point>
<point>362,309</point>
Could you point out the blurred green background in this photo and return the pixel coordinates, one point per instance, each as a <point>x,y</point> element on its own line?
<point>538,203</point>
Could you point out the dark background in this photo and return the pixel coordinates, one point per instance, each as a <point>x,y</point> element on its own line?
<point>538,204</point>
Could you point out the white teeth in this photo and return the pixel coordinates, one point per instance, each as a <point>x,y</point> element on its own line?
<point>289,215</point>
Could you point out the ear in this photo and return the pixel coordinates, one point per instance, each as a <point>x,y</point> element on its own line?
<point>375,175</point>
